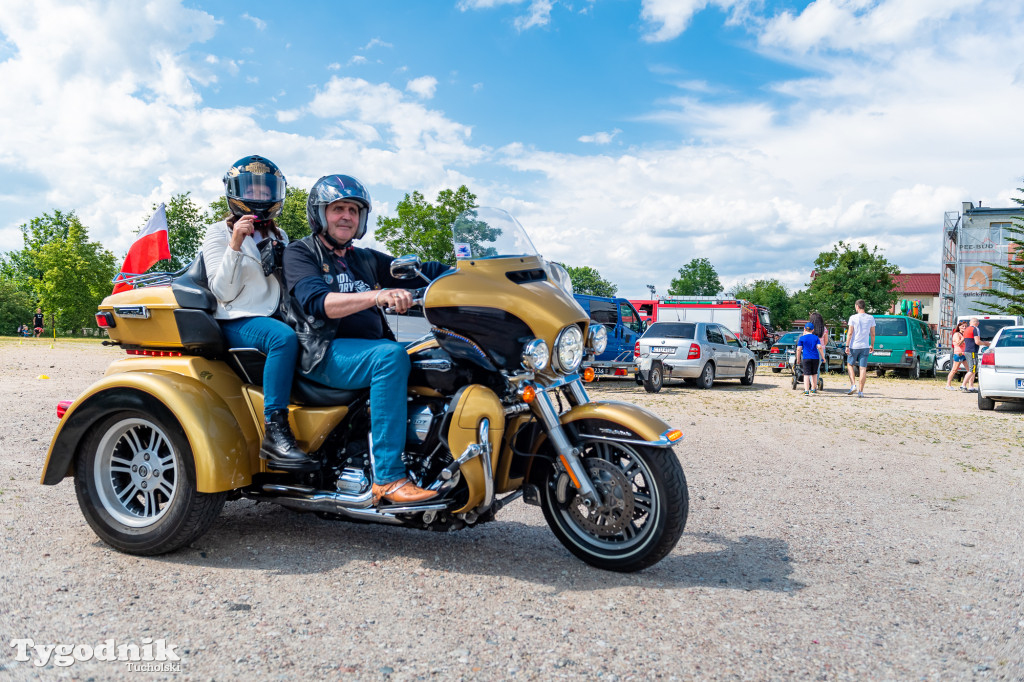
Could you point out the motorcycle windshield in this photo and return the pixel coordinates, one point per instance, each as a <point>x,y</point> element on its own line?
<point>490,233</point>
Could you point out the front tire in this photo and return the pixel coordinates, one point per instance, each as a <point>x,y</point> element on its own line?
<point>643,509</point>
<point>135,479</point>
<point>655,378</point>
<point>748,376</point>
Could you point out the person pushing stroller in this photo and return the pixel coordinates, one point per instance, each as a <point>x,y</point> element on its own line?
<point>809,350</point>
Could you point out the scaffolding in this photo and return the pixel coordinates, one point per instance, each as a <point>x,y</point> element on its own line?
<point>947,285</point>
<point>972,242</point>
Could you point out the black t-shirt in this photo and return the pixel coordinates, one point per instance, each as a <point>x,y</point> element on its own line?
<point>37,320</point>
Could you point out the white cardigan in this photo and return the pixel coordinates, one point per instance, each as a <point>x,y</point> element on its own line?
<point>236,277</point>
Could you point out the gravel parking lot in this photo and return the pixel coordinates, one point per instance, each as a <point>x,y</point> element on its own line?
<point>829,538</point>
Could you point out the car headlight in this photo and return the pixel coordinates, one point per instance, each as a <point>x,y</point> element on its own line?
<point>569,349</point>
<point>597,337</point>
<point>535,355</point>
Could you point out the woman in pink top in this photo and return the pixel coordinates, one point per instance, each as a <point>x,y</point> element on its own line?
<point>959,358</point>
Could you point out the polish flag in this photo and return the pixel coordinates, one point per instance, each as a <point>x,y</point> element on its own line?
<point>150,246</point>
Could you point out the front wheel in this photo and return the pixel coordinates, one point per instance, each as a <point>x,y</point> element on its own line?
<point>136,484</point>
<point>644,502</point>
<point>985,403</point>
<point>655,378</point>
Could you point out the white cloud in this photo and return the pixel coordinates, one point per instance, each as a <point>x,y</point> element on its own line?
<point>375,42</point>
<point>424,86</point>
<point>334,66</point>
<point>257,22</point>
<point>538,12</point>
<point>600,138</point>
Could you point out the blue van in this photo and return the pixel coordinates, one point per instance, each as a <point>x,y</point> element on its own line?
<point>624,329</point>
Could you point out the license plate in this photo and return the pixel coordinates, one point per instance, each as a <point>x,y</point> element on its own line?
<point>1020,383</point>
<point>883,353</point>
<point>663,349</point>
<point>600,370</point>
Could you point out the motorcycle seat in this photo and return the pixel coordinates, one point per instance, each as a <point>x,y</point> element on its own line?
<point>191,288</point>
<point>248,363</point>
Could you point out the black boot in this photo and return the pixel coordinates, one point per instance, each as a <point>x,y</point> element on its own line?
<point>279,448</point>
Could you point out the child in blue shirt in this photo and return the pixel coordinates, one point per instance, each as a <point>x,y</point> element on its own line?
<point>808,354</point>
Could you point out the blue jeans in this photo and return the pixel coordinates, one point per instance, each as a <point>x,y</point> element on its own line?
<point>383,366</point>
<point>858,357</point>
<point>277,340</point>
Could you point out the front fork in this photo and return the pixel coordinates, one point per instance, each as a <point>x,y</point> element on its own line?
<point>568,455</point>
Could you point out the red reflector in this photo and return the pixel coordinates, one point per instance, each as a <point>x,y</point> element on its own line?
<point>989,358</point>
<point>775,349</point>
<point>908,353</point>
<point>62,407</point>
<point>694,353</point>
<point>105,320</point>
<point>620,372</point>
<point>636,350</point>
<point>154,353</point>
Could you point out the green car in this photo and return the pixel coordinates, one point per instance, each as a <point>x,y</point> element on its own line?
<point>903,344</point>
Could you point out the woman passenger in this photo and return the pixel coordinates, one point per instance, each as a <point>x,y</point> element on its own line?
<point>247,296</point>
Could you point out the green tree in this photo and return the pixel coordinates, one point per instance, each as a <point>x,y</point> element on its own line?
<point>292,220</point>
<point>587,280</point>
<point>773,295</point>
<point>846,274</point>
<point>423,228</point>
<point>696,278</point>
<point>1010,274</point>
<point>186,227</point>
<point>68,274</point>
<point>16,306</point>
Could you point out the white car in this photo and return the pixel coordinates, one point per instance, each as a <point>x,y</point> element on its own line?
<point>1001,369</point>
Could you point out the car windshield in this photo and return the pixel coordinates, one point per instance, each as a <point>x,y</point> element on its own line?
<point>791,337</point>
<point>672,330</point>
<point>890,326</point>
<point>490,233</point>
<point>1011,338</point>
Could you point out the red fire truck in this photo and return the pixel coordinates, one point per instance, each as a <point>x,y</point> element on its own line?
<point>750,322</point>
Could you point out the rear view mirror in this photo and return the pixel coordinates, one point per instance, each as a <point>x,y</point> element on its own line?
<point>405,267</point>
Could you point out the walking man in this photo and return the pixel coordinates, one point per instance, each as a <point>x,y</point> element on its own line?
<point>860,341</point>
<point>972,344</point>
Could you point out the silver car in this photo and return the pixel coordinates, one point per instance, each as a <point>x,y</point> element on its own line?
<point>1001,369</point>
<point>696,352</point>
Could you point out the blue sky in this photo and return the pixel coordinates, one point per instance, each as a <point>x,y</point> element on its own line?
<point>628,135</point>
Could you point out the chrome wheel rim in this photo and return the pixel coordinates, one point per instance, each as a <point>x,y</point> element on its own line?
<point>136,472</point>
<point>628,510</point>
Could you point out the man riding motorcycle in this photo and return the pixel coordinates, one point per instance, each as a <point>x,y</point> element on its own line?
<point>344,339</point>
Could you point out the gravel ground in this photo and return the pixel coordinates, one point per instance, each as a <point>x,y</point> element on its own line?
<point>829,538</point>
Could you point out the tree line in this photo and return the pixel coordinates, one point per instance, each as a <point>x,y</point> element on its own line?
<point>60,270</point>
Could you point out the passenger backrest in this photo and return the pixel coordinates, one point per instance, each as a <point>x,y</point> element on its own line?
<point>191,289</point>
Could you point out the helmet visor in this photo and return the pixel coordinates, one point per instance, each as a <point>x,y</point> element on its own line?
<point>258,188</point>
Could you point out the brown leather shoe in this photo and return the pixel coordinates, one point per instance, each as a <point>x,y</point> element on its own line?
<point>402,491</point>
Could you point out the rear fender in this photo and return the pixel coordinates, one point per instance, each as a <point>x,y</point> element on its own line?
<point>226,451</point>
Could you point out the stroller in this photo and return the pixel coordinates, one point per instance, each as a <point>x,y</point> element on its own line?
<point>798,372</point>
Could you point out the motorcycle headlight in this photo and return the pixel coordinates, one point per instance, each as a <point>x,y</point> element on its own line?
<point>560,276</point>
<point>569,349</point>
<point>535,355</point>
<point>597,337</point>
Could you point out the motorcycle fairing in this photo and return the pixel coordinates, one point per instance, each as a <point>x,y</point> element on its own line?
<point>599,419</point>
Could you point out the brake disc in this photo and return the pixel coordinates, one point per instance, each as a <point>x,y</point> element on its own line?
<point>614,511</point>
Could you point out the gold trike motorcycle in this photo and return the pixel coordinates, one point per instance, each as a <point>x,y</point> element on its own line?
<point>497,411</point>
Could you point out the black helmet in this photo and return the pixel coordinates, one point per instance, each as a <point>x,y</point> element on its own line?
<point>331,188</point>
<point>255,186</point>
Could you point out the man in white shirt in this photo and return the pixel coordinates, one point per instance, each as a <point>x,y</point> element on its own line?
<point>860,341</point>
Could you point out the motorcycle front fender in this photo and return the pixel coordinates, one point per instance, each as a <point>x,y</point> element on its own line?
<point>622,422</point>
<point>225,449</point>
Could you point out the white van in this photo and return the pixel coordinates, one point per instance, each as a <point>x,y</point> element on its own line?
<point>988,325</point>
